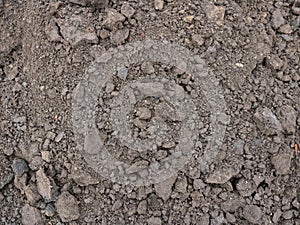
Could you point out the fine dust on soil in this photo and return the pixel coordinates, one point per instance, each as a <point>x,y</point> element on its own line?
<point>252,47</point>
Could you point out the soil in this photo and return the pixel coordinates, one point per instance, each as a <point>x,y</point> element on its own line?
<point>253,49</point>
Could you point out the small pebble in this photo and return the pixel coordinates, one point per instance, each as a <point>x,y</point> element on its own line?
<point>158,4</point>
<point>122,72</point>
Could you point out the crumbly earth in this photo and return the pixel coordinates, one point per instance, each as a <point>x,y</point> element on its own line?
<point>252,47</point>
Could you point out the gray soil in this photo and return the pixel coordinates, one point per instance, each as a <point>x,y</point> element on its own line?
<point>252,47</point>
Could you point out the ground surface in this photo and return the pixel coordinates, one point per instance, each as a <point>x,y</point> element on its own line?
<point>252,47</point>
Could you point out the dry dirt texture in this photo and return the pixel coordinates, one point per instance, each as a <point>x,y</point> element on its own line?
<point>252,47</point>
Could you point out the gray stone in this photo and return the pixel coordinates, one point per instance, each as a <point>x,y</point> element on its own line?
<point>76,36</point>
<point>113,17</point>
<point>276,216</point>
<point>167,112</point>
<point>230,218</point>
<point>52,32</point>
<point>117,205</point>
<point>143,113</point>
<point>67,207</point>
<point>120,36</point>
<point>288,117</point>
<point>288,214</point>
<point>36,163</point>
<point>197,40</point>
<point>122,72</point>
<point>282,163</point>
<point>181,184</point>
<point>296,7</point>
<point>30,215</point>
<point>82,178</point>
<point>6,180</point>
<point>277,19</point>
<point>274,62</point>
<point>127,10</point>
<point>253,214</point>
<point>214,13</point>
<point>158,4</point>
<point>19,167</point>
<point>154,221</point>
<point>32,194</point>
<point>151,89</point>
<point>286,29</point>
<point>232,204</point>
<point>20,182</point>
<point>98,4</point>
<point>198,184</point>
<point>222,174</point>
<point>59,137</point>
<point>267,122</point>
<point>46,185</point>
<point>142,207</point>
<point>147,67</point>
<point>204,220</point>
<point>246,187</point>
<point>164,189</point>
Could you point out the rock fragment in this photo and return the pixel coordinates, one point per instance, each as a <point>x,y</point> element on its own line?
<point>122,72</point>
<point>158,4</point>
<point>19,167</point>
<point>253,214</point>
<point>147,67</point>
<point>232,205</point>
<point>76,32</point>
<point>98,4</point>
<point>204,220</point>
<point>52,32</point>
<point>188,19</point>
<point>277,19</point>
<point>181,184</point>
<point>154,221</point>
<point>246,187</point>
<point>32,194</point>
<point>30,215</point>
<point>214,13</point>
<point>59,137</point>
<point>11,72</point>
<point>288,118</point>
<point>67,207</point>
<point>144,113</point>
<point>82,178</point>
<point>267,122</point>
<point>197,40</point>
<point>282,163</point>
<point>117,205</point>
<point>6,180</point>
<point>222,174</point>
<point>113,18</point>
<point>274,62</point>
<point>276,216</point>
<point>142,207</point>
<point>164,189</point>
<point>127,10</point>
<point>167,112</point>
<point>46,185</point>
<point>120,36</point>
<point>296,7</point>
<point>286,29</point>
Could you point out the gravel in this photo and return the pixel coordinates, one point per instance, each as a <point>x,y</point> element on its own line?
<point>250,48</point>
